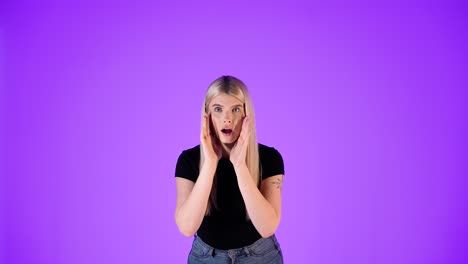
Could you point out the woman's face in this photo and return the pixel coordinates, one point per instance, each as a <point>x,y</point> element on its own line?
<point>227,113</point>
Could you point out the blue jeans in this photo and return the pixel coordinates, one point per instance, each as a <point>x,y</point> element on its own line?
<point>264,250</point>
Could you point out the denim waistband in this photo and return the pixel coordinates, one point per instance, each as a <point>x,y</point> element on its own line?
<point>247,250</point>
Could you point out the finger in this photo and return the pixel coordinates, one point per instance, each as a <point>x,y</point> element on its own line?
<point>245,128</point>
<point>207,126</point>
<point>203,130</point>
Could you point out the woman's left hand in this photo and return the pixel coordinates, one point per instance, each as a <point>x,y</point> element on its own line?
<point>239,151</point>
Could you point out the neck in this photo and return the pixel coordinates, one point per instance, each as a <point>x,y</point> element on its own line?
<point>227,149</point>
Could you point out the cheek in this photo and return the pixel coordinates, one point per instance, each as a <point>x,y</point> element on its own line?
<point>239,123</point>
<point>215,119</point>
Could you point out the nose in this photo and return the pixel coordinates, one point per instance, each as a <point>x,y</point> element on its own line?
<point>227,118</point>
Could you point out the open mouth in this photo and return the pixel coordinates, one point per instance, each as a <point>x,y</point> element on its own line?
<point>226,131</point>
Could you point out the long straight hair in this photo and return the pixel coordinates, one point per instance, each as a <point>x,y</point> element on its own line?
<point>232,86</point>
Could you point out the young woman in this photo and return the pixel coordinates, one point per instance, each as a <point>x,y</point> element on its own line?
<point>229,186</point>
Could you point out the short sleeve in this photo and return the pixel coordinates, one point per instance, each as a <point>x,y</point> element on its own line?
<point>186,167</point>
<point>272,163</point>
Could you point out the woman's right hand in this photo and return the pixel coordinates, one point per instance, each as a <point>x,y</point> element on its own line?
<point>211,146</point>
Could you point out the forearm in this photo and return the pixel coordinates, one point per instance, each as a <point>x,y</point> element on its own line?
<point>261,212</point>
<point>189,215</point>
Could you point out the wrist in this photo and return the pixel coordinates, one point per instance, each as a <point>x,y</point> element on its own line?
<point>210,164</point>
<point>241,166</point>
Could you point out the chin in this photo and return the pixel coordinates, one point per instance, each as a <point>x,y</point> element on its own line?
<point>228,141</point>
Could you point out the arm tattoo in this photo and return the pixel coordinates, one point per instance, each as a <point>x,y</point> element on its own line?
<point>278,182</point>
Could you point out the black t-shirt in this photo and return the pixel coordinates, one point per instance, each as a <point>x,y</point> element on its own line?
<point>227,226</point>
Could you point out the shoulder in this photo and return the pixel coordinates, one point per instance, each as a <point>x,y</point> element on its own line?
<point>267,152</point>
<point>271,161</point>
<point>187,164</point>
<point>191,153</point>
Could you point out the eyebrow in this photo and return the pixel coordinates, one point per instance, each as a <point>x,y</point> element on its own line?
<point>238,105</point>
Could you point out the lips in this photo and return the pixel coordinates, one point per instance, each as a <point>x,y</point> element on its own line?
<point>226,131</point>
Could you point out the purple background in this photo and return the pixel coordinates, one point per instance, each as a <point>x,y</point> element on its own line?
<point>366,102</point>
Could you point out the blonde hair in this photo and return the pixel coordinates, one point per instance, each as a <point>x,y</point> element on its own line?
<point>232,86</point>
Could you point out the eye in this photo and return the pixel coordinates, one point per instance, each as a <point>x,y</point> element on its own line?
<point>217,109</point>
<point>236,109</point>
